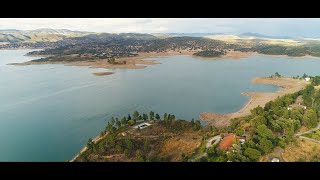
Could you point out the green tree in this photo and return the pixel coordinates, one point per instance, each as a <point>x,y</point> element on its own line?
<point>168,117</point>
<point>129,117</point>
<point>239,132</point>
<point>90,143</point>
<point>252,154</point>
<point>124,121</point>
<point>118,123</point>
<point>264,131</point>
<point>265,145</point>
<point>165,116</point>
<point>172,117</point>
<point>277,74</point>
<point>258,120</point>
<point>197,125</point>
<point>136,115</point>
<point>140,117</point>
<point>151,115</point>
<point>145,117</point>
<point>310,118</point>
<point>131,122</point>
<point>192,122</point>
<point>157,116</point>
<point>112,121</point>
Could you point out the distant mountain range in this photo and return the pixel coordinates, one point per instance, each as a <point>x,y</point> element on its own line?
<point>15,38</point>
<point>38,35</point>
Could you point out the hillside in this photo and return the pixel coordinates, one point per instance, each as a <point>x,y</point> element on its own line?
<point>38,35</point>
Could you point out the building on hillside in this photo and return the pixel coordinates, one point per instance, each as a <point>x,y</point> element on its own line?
<point>307,78</point>
<point>227,142</point>
<point>297,104</point>
<point>275,160</point>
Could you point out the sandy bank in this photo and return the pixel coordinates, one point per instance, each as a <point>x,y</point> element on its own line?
<point>288,85</point>
<point>102,73</point>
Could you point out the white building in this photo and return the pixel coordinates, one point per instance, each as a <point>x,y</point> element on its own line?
<point>275,160</point>
<point>307,78</point>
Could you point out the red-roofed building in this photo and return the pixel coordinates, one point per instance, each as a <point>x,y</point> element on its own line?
<point>227,142</point>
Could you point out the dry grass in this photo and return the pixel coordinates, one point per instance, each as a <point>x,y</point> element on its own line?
<point>185,143</point>
<point>301,150</point>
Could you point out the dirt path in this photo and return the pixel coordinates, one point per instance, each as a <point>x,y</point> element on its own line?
<point>289,85</point>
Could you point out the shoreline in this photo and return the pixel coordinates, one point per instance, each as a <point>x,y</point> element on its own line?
<point>142,60</point>
<point>95,140</point>
<point>288,85</point>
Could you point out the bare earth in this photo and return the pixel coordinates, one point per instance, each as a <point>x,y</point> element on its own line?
<point>102,73</point>
<point>288,85</point>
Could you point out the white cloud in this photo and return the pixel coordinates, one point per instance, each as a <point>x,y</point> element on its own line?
<point>268,26</point>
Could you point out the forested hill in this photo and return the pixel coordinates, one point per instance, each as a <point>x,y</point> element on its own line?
<point>64,42</point>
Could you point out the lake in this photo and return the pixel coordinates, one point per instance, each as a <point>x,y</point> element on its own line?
<point>48,112</point>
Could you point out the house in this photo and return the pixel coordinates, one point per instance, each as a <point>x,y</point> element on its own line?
<point>275,160</point>
<point>242,140</point>
<point>227,142</point>
<point>142,126</point>
<point>292,106</point>
<point>297,104</point>
<point>307,78</point>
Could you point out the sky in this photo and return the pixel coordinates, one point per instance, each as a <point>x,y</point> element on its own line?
<point>307,27</point>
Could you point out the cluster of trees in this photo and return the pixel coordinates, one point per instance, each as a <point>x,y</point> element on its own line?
<point>136,149</point>
<point>113,61</point>
<point>210,53</point>
<point>275,75</point>
<point>271,126</point>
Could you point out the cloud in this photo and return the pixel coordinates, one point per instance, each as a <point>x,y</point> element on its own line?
<point>268,26</point>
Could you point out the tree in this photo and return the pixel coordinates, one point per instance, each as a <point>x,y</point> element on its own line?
<point>264,131</point>
<point>304,75</point>
<point>168,117</point>
<point>112,121</point>
<point>128,144</point>
<point>310,118</point>
<point>172,117</point>
<point>140,117</point>
<point>258,120</point>
<point>277,74</point>
<point>131,122</point>
<point>118,123</point>
<point>265,145</point>
<point>90,143</point>
<point>145,117</point>
<point>252,154</point>
<point>197,125</point>
<point>165,116</point>
<point>257,111</point>
<point>136,115</point>
<point>129,117</point>
<point>124,121</point>
<point>192,122</point>
<point>151,115</point>
<point>157,116</point>
<point>239,132</point>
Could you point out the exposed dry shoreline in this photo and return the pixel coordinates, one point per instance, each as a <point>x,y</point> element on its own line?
<point>289,85</point>
<point>102,73</point>
<point>136,62</point>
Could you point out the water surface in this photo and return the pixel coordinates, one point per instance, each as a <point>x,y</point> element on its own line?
<point>48,112</point>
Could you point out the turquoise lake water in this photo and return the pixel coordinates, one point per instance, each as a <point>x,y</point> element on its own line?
<point>48,112</point>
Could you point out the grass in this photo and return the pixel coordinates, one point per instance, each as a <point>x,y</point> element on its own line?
<point>313,135</point>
